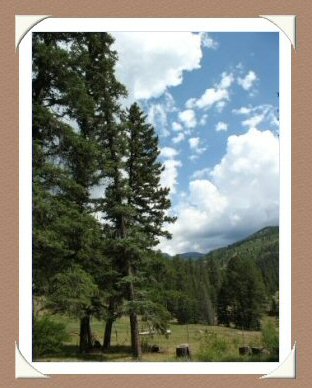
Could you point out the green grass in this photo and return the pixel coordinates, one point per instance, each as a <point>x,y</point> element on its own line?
<point>207,343</point>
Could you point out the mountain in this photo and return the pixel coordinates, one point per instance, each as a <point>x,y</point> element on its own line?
<point>266,239</point>
<point>257,241</point>
<point>262,247</point>
<point>192,255</point>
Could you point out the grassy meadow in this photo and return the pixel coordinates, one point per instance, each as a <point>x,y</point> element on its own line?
<point>207,343</point>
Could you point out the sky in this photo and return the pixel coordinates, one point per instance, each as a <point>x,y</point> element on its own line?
<point>213,100</point>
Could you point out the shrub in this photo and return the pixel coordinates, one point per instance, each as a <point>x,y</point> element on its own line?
<point>48,336</point>
<point>212,347</point>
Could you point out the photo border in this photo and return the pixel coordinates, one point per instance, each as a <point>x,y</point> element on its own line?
<point>159,25</point>
<point>301,140</point>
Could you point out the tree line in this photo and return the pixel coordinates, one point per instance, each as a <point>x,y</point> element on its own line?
<point>99,208</point>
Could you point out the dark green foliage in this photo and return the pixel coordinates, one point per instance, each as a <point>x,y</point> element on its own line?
<point>48,336</point>
<point>72,292</point>
<point>71,108</point>
<point>241,298</point>
<point>146,198</point>
<point>183,288</point>
<point>135,208</point>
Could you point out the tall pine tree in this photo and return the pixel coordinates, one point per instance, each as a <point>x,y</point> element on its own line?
<point>136,205</point>
<point>74,88</point>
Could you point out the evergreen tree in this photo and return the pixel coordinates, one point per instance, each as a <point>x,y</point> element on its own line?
<point>148,203</point>
<point>242,296</point>
<point>135,204</point>
<point>73,89</point>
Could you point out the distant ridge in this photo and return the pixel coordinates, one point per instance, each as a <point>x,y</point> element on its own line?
<point>270,234</point>
<point>192,255</point>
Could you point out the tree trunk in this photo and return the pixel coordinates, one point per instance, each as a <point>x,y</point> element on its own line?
<point>135,338</point>
<point>108,333</point>
<point>85,334</point>
<point>134,323</point>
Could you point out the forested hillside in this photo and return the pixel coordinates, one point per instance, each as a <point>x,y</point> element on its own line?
<point>194,290</point>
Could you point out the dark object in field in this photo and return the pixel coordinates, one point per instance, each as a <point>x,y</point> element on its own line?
<point>256,350</point>
<point>155,349</point>
<point>244,350</point>
<point>97,345</point>
<point>183,350</point>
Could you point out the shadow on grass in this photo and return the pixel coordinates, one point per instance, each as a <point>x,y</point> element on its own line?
<point>72,353</point>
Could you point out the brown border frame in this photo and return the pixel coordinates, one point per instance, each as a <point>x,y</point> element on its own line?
<point>301,95</point>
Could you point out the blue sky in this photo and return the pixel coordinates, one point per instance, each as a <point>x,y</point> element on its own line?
<point>213,99</point>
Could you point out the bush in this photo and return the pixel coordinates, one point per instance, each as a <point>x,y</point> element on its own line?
<point>212,347</point>
<point>48,336</point>
<point>270,337</point>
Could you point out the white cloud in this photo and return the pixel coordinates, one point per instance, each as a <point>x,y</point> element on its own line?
<point>168,152</point>
<point>217,95</point>
<point>203,119</point>
<point>226,80</point>
<point>221,126</point>
<point>243,110</point>
<point>177,139</point>
<point>157,114</point>
<point>176,126</point>
<point>266,114</point>
<point>170,174</point>
<point>208,41</point>
<point>190,103</point>
<point>220,105</point>
<point>150,62</point>
<point>210,97</point>
<point>253,121</point>
<point>203,173</point>
<point>188,118</point>
<point>247,82</point>
<point>237,197</point>
<point>194,142</point>
<point>195,145</point>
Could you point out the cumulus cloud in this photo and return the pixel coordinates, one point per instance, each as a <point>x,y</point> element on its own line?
<point>247,82</point>
<point>168,152</point>
<point>211,96</point>
<point>194,142</point>
<point>242,111</point>
<point>157,113</point>
<point>157,116</point>
<point>208,41</point>
<point>170,174</point>
<point>176,126</point>
<point>221,126</point>
<point>196,148</point>
<point>254,121</point>
<point>150,62</point>
<point>266,114</point>
<point>188,118</point>
<point>237,197</point>
<point>226,80</point>
<point>195,145</point>
<point>177,139</point>
<point>217,95</point>
<point>203,119</point>
<point>203,173</point>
